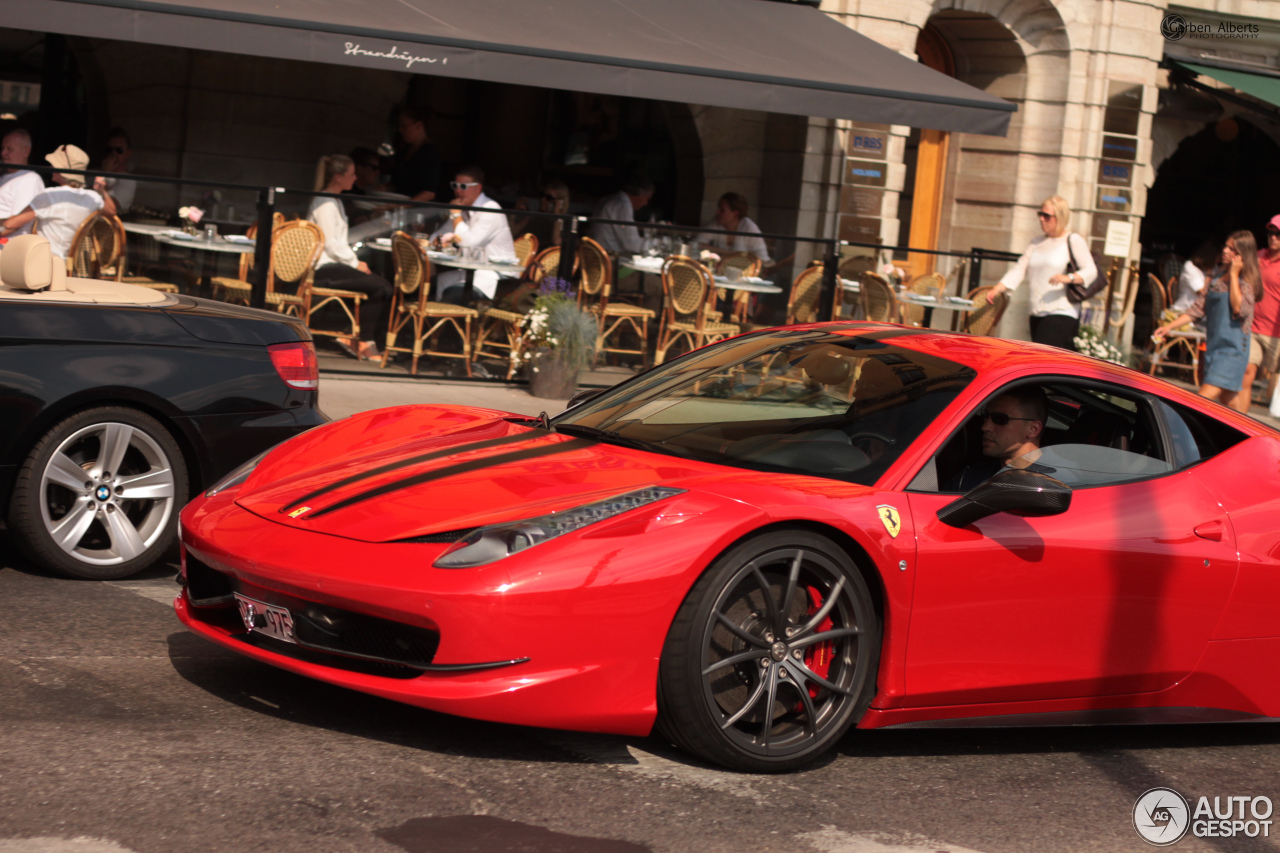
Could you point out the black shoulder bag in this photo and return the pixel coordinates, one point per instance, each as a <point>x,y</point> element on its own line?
<point>1077,293</point>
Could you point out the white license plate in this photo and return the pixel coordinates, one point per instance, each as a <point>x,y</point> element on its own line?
<point>262,618</point>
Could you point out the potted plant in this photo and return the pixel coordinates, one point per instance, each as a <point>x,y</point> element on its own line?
<point>558,340</point>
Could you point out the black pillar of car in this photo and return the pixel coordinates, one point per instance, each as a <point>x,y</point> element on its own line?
<point>262,248</point>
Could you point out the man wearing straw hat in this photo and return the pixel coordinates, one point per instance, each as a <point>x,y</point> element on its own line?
<point>58,211</point>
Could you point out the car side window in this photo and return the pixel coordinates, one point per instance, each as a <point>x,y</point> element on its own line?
<point>1095,435</point>
<point>1193,436</point>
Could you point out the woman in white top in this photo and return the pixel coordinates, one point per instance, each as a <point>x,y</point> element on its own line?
<point>731,215</point>
<point>1055,319</point>
<point>338,266</point>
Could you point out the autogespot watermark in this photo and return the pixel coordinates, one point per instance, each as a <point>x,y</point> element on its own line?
<point>1174,27</point>
<point>1163,817</point>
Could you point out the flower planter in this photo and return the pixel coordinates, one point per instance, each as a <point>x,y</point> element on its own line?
<point>549,377</point>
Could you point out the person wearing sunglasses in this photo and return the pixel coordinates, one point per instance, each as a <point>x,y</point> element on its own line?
<point>1226,306</point>
<point>1054,318</point>
<point>119,158</point>
<point>554,199</point>
<point>473,229</point>
<point>1012,427</point>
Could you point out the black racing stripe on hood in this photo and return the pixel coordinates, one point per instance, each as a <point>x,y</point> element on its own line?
<point>451,470</point>
<point>413,460</point>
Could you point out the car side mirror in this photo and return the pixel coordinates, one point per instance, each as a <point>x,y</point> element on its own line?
<point>584,396</point>
<point>1015,491</point>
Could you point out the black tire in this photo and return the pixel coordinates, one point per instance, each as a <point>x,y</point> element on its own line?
<point>714,683</point>
<point>72,513</point>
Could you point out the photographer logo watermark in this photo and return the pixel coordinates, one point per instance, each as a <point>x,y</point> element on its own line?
<point>1174,27</point>
<point>1163,817</point>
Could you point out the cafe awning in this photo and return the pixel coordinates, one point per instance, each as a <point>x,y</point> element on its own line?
<point>1262,85</point>
<point>748,54</point>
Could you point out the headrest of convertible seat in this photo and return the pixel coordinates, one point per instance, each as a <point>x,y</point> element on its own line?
<point>27,263</point>
<point>827,366</point>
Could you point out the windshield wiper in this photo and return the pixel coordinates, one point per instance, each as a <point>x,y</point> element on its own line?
<point>610,437</point>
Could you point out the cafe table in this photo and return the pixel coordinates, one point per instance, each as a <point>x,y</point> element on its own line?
<point>935,303</point>
<point>212,248</point>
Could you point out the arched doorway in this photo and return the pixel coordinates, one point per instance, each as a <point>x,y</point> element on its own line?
<point>1218,180</point>
<point>920,203</point>
<point>953,180</point>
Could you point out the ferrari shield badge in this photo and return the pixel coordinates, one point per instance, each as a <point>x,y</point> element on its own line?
<point>300,510</point>
<point>889,517</point>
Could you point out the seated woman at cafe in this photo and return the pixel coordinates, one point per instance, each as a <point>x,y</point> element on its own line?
<point>58,211</point>
<point>555,199</point>
<point>338,266</point>
<point>731,215</point>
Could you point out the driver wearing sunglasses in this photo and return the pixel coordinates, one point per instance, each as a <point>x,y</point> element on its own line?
<point>1012,427</point>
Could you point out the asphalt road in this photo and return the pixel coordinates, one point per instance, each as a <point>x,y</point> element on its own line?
<point>119,732</point>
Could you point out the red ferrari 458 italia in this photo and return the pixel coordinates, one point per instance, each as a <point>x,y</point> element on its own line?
<point>767,541</point>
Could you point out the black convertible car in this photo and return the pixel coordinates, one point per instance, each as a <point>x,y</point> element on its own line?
<point>118,403</point>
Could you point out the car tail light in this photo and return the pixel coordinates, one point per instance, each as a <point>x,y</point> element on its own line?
<point>296,364</point>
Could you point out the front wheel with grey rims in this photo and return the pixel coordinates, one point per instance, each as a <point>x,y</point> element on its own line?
<point>99,494</point>
<point>772,656</point>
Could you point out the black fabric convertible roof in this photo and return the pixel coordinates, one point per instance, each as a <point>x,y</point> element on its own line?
<point>748,54</point>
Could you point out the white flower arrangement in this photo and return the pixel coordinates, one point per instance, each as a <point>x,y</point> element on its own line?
<point>1089,342</point>
<point>895,275</point>
<point>709,257</point>
<point>192,214</point>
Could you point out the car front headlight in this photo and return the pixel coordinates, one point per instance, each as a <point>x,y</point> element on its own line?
<point>239,475</point>
<point>498,541</point>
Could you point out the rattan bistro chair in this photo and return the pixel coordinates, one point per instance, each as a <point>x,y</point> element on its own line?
<point>239,289</point>
<point>744,265</point>
<point>689,301</point>
<point>802,303</point>
<point>82,257</point>
<point>526,246</point>
<point>879,304</point>
<point>1179,340</point>
<point>410,307</point>
<point>614,318</point>
<point>928,284</point>
<point>985,315</point>
<point>499,332</point>
<point>295,248</point>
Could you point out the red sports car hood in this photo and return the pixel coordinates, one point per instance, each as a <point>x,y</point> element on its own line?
<point>415,471</point>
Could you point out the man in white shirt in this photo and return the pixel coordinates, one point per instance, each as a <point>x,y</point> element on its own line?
<point>469,229</point>
<point>622,205</point>
<point>61,209</point>
<point>17,186</point>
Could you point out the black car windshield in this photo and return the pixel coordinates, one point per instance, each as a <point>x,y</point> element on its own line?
<point>829,404</point>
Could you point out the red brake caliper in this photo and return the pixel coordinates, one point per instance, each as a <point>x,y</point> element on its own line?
<point>818,656</point>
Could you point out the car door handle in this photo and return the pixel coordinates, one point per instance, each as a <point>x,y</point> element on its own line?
<point>1210,530</point>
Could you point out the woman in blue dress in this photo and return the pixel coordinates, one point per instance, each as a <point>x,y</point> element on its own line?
<point>1226,306</point>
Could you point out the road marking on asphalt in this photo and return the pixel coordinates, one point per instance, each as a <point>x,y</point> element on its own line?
<point>163,590</point>
<point>80,844</point>
<point>832,840</point>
